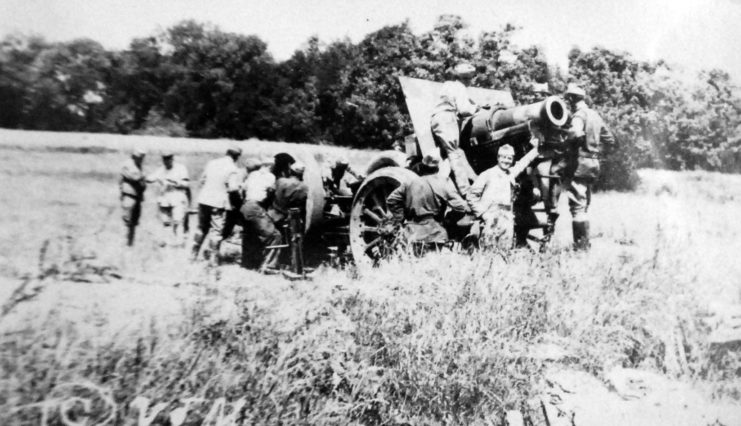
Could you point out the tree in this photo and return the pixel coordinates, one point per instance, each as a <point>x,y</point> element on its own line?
<point>68,86</point>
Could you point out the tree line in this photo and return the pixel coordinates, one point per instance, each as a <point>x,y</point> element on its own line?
<point>194,79</point>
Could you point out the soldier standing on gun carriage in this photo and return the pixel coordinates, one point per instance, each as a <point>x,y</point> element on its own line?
<point>580,166</point>
<point>132,186</point>
<point>218,202</point>
<point>174,184</point>
<point>455,105</point>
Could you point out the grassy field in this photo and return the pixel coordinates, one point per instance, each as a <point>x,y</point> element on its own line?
<point>96,332</point>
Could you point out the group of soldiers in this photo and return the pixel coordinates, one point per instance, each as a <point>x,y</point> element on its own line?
<point>260,195</point>
<point>257,196</point>
<point>572,161</point>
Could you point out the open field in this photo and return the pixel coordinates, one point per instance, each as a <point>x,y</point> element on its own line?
<point>621,335</point>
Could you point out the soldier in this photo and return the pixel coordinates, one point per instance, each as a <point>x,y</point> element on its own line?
<point>132,186</point>
<point>218,201</point>
<point>584,140</point>
<point>491,196</point>
<point>453,107</point>
<point>259,231</point>
<point>340,179</point>
<point>290,192</point>
<point>422,202</point>
<point>174,184</point>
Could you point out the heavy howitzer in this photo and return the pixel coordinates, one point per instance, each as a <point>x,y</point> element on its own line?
<point>371,225</point>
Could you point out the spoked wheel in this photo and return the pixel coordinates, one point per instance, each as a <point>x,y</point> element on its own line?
<point>372,231</point>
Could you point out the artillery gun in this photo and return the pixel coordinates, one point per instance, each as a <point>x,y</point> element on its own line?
<point>365,224</point>
<point>371,225</point>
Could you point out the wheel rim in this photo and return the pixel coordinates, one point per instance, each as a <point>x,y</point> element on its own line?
<point>372,230</point>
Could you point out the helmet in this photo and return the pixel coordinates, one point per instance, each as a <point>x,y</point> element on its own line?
<point>575,90</point>
<point>464,70</point>
<point>252,163</point>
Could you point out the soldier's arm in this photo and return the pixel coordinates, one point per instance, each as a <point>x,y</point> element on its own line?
<point>476,191</point>
<point>454,199</point>
<point>466,107</point>
<point>395,202</point>
<point>578,125</point>
<point>183,181</point>
<point>526,159</point>
<point>132,174</point>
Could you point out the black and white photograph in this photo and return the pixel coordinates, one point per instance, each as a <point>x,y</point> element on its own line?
<point>366,212</point>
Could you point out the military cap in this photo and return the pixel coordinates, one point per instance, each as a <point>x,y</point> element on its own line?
<point>575,90</point>
<point>252,163</point>
<point>234,150</point>
<point>138,152</point>
<point>167,154</point>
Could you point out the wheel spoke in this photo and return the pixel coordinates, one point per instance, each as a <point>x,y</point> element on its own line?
<point>381,207</point>
<point>374,217</point>
<point>373,229</point>
<point>373,243</point>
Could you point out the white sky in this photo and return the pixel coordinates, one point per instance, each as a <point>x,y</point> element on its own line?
<point>695,34</point>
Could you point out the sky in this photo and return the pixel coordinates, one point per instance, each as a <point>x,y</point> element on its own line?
<point>699,34</point>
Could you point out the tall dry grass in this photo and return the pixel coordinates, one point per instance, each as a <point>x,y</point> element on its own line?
<point>449,338</point>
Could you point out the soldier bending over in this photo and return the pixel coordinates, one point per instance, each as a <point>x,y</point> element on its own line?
<point>422,202</point>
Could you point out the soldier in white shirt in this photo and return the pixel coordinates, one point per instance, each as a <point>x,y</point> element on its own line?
<point>174,183</point>
<point>218,201</point>
<point>491,196</point>
<point>455,105</point>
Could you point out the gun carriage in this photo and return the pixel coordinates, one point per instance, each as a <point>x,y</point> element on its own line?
<point>364,223</point>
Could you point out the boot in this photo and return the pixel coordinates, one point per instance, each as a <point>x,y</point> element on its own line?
<point>130,232</point>
<point>581,235</point>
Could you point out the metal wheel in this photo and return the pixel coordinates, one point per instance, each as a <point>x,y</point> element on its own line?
<point>372,230</point>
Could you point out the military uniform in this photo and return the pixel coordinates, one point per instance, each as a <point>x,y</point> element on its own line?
<point>454,106</point>
<point>216,214</point>
<point>132,186</point>
<point>259,231</point>
<point>422,203</point>
<point>586,135</point>
<point>173,196</point>
<point>290,192</point>
<point>491,201</point>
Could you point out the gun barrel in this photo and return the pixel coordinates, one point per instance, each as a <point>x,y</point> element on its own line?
<point>549,113</point>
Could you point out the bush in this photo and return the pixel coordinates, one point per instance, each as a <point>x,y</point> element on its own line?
<point>158,125</point>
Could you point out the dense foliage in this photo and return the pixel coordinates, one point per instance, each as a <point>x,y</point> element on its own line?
<point>197,80</point>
